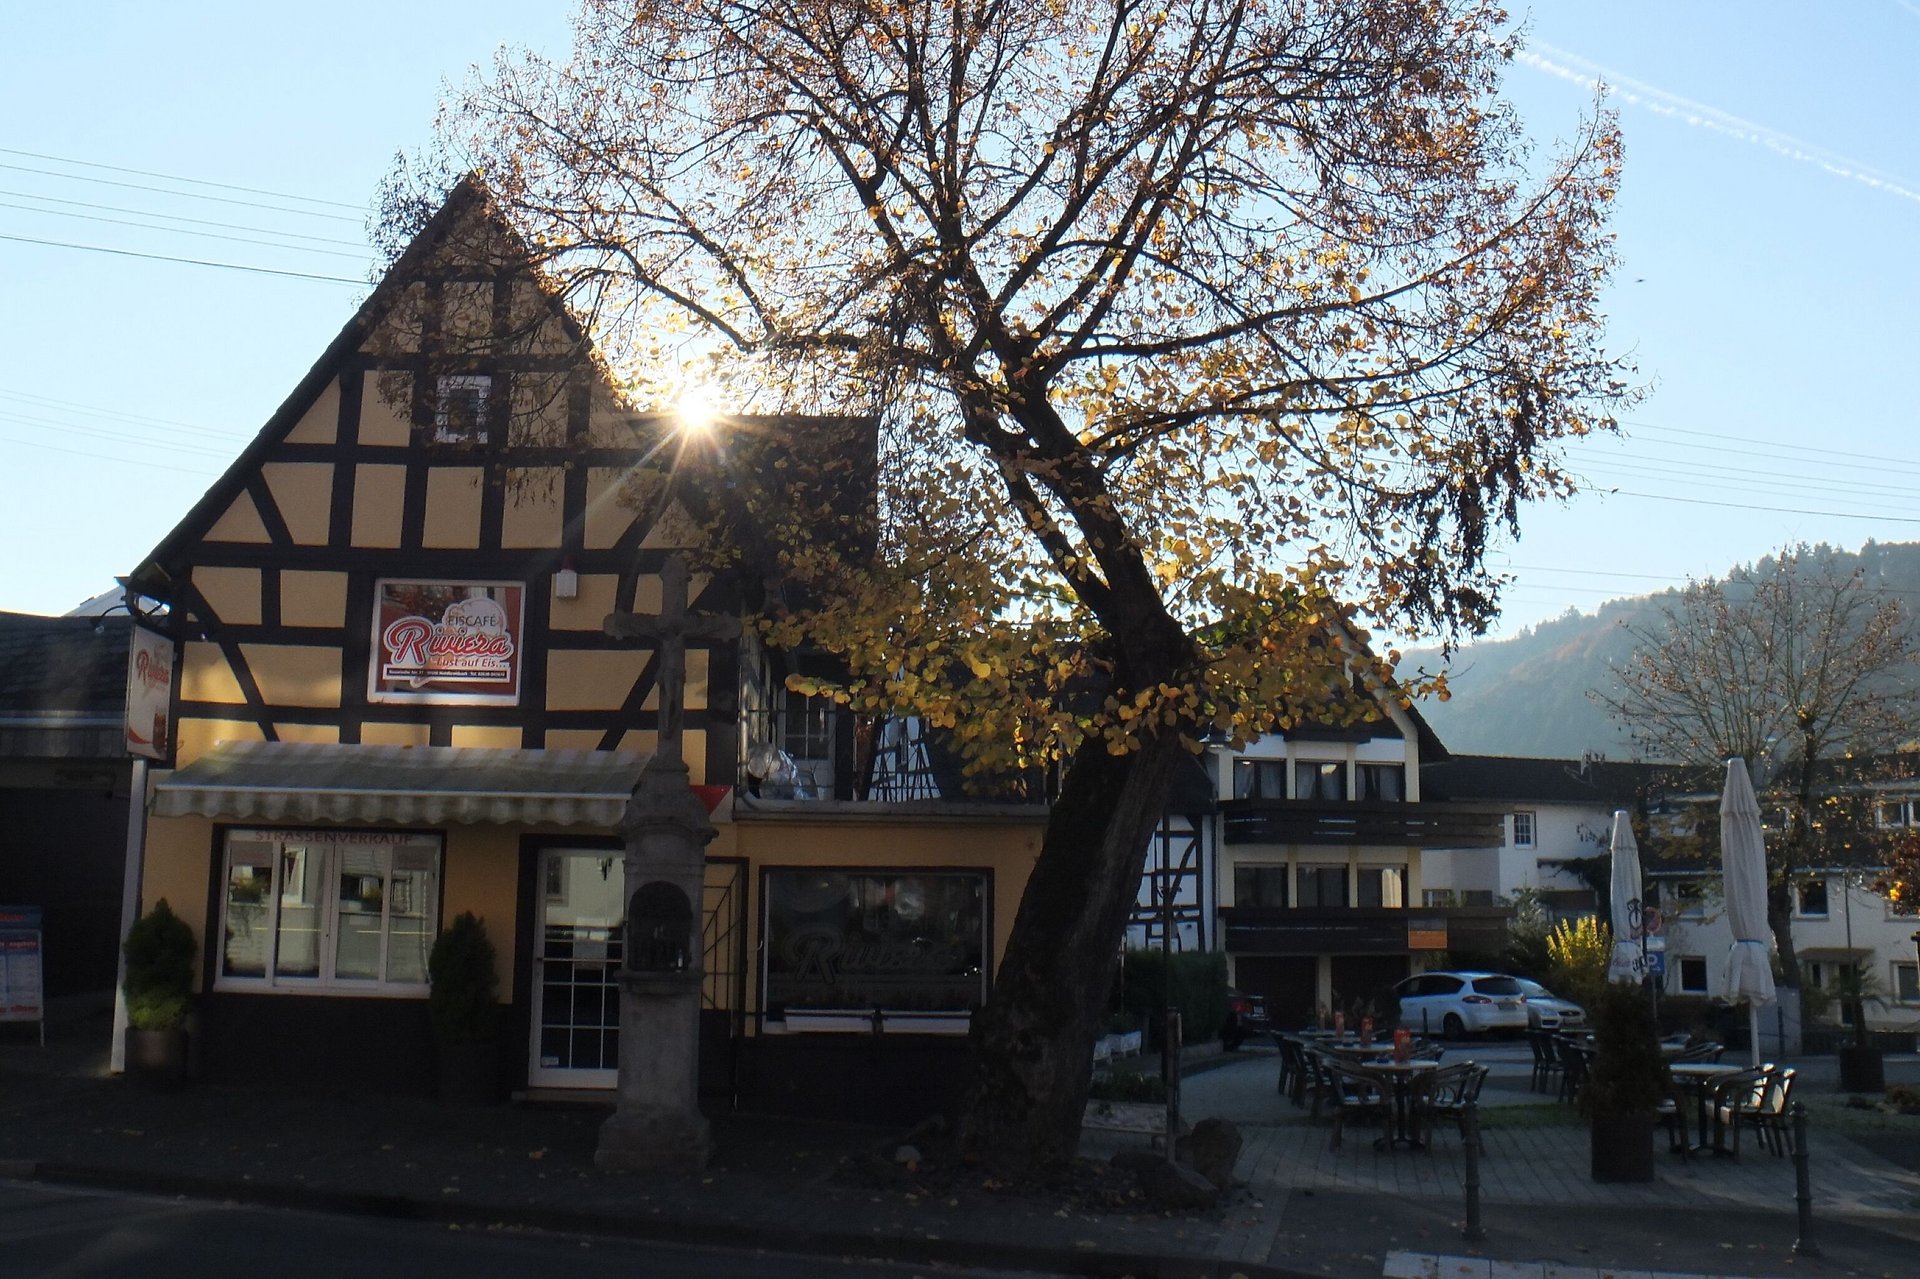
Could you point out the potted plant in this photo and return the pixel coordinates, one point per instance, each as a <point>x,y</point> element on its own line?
<point>1628,1082</point>
<point>464,1011</point>
<point>159,988</point>
<point>1862,1067</point>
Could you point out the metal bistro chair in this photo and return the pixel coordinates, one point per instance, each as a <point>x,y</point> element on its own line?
<point>1358,1096</point>
<point>1736,1099</point>
<point>1546,1059</point>
<point>1767,1113</point>
<point>1445,1094</point>
<point>1291,1082</point>
<point>1574,1064</point>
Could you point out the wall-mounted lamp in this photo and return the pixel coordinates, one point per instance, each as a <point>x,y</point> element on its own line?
<point>566,581</point>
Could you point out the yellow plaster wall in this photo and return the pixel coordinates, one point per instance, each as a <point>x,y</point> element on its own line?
<point>483,876</point>
<point>198,736</point>
<point>693,748</point>
<point>179,858</point>
<point>467,312</point>
<point>531,514</point>
<point>325,733</point>
<point>312,599</point>
<point>379,500</point>
<point>394,734</point>
<point>573,739</point>
<point>239,523</point>
<point>321,423</point>
<point>591,680</point>
<point>381,423</point>
<point>607,518</point>
<point>496,736</point>
<point>399,330</point>
<point>453,507</point>
<point>234,593</point>
<point>539,413</point>
<point>586,611</point>
<point>294,675</point>
<point>674,528</point>
<point>205,675</point>
<point>304,493</point>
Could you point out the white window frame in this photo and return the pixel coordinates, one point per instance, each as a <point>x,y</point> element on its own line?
<point>444,390</point>
<point>1893,975</point>
<point>1680,975</point>
<point>1800,910</point>
<point>1532,820</point>
<point>322,983</point>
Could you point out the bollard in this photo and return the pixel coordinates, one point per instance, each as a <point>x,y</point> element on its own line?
<point>1802,1185</point>
<point>1470,1123</point>
<point>1170,1074</point>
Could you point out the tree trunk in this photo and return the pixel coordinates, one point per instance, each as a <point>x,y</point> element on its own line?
<point>1033,1043</point>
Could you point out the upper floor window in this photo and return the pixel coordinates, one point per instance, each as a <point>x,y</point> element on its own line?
<point>1383,886</point>
<point>1810,899</point>
<point>1438,897</point>
<point>1323,885</point>
<point>1523,830</point>
<point>1906,983</point>
<point>461,406</point>
<point>1320,779</point>
<point>1383,783</point>
<point>1896,812</point>
<point>1693,974</point>
<point>1259,885</point>
<point>1259,779</point>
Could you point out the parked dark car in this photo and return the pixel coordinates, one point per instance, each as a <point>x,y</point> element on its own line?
<point>1246,1017</point>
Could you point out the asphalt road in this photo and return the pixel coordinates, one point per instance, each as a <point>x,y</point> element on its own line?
<point>57,1233</point>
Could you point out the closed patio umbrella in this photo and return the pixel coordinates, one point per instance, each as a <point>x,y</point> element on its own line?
<point>1626,962</point>
<point>1743,869</point>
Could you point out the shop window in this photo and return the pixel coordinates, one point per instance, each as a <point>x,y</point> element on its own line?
<point>1693,974</point>
<point>1906,983</point>
<point>1259,885</point>
<point>840,944</point>
<point>1810,899</point>
<point>1523,830</point>
<point>328,910</point>
<point>1383,783</point>
<point>1324,780</point>
<point>1384,886</point>
<point>462,406</point>
<point>1259,779</point>
<point>1323,885</point>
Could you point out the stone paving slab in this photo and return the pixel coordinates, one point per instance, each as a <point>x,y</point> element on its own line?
<point>1415,1265</point>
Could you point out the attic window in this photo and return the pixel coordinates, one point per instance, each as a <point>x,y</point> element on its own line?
<point>460,403</point>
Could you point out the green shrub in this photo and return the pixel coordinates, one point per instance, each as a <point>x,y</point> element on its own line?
<point>159,987</point>
<point>1127,1086</point>
<point>1577,955</point>
<point>461,1000</point>
<point>1904,1098</point>
<point>1199,991</point>
<point>1629,1072</point>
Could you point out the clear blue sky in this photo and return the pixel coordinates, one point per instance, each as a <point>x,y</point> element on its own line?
<point>1769,233</point>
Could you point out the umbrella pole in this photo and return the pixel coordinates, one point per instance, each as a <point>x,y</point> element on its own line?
<point>1753,1032</point>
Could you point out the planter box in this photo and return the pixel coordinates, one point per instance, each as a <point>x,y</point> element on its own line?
<point>157,1056</point>
<point>1862,1070</point>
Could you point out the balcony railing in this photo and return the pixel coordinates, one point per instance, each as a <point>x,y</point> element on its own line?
<point>1305,821</point>
<point>862,759</point>
<point>1362,930</point>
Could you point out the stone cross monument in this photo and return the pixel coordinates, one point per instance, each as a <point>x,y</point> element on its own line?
<point>657,1122</point>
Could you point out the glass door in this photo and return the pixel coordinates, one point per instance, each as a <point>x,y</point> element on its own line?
<point>576,1000</point>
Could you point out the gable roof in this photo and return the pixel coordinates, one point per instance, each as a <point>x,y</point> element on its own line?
<point>1497,778</point>
<point>63,685</point>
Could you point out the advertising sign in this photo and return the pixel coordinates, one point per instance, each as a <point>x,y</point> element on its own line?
<point>149,694</point>
<point>447,642</point>
<point>21,996</point>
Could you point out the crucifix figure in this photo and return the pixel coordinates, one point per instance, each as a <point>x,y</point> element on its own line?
<point>657,1122</point>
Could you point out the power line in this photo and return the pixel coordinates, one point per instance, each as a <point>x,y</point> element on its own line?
<point>118,437</point>
<point>108,457</point>
<point>174,177</point>
<point>182,195</point>
<point>177,217</point>
<point>180,230</point>
<point>161,257</point>
<point>48,402</point>
<point>1770,510</point>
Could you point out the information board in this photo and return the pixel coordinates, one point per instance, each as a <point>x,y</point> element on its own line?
<point>22,993</point>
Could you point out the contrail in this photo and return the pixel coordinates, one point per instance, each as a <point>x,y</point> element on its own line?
<point>1578,70</point>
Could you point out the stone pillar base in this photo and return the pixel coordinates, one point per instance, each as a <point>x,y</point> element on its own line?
<point>654,1141</point>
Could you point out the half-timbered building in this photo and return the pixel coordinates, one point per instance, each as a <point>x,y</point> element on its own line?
<point>396,702</point>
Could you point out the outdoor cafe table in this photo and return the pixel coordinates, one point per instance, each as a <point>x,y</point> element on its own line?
<point>1399,1077</point>
<point>1698,1078</point>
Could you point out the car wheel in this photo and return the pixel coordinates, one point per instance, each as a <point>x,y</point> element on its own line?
<point>1453,1027</point>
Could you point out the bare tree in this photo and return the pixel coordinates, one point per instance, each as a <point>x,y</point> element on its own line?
<point>1798,666</point>
<point>1196,333</point>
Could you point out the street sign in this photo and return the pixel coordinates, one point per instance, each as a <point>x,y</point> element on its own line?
<point>1651,925</point>
<point>1656,963</point>
<point>1656,943</point>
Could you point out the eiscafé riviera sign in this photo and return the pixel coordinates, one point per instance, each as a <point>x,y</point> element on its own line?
<point>447,642</point>
<point>149,693</point>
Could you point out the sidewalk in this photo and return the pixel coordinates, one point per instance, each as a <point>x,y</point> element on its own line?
<point>795,1186</point>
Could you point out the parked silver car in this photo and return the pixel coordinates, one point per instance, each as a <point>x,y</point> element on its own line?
<point>1458,1004</point>
<point>1546,1010</point>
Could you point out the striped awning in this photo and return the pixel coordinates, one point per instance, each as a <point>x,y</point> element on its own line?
<point>303,781</point>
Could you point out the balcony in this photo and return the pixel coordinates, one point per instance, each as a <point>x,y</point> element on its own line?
<point>1307,821</point>
<point>1362,930</point>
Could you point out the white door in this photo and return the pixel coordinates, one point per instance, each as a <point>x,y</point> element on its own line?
<point>576,1001</point>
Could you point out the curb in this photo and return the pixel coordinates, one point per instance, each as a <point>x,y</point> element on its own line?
<point>704,1232</point>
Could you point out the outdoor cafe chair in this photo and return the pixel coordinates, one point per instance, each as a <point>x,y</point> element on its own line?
<point>1291,1083</point>
<point>1575,1060</point>
<point>1737,1099</point>
<point>1359,1097</point>
<point>1768,1116</point>
<point>1546,1059</point>
<point>1701,1052</point>
<point>1445,1094</point>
